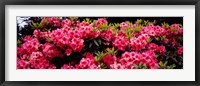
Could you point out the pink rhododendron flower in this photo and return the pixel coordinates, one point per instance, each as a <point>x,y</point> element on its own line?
<point>173,42</point>
<point>68,51</point>
<point>180,50</point>
<point>117,66</point>
<point>36,33</point>
<point>39,63</point>
<point>27,38</point>
<point>85,29</point>
<point>87,63</point>
<point>108,35</point>
<point>109,59</point>
<point>166,41</point>
<point>140,42</point>
<point>153,30</point>
<point>153,46</point>
<point>77,44</point>
<point>50,51</point>
<point>56,22</point>
<point>22,64</point>
<point>67,66</point>
<point>30,46</point>
<point>100,21</point>
<point>120,43</point>
<point>161,49</point>
<point>66,22</point>
<point>124,25</point>
<point>45,35</point>
<point>130,58</point>
<point>35,55</point>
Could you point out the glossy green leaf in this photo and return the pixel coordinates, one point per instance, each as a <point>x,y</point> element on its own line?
<point>96,43</point>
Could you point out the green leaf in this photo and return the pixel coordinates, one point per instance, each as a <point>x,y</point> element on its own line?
<point>90,45</point>
<point>49,40</point>
<point>172,66</point>
<point>140,65</point>
<point>180,25</point>
<point>157,55</point>
<point>161,63</point>
<point>102,65</point>
<point>174,59</point>
<point>137,29</point>
<point>97,53</point>
<point>99,40</point>
<point>165,63</point>
<point>149,40</point>
<point>139,21</point>
<point>145,66</point>
<point>104,43</point>
<point>154,22</point>
<point>157,38</point>
<point>181,57</point>
<point>96,59</point>
<point>34,24</point>
<point>135,66</point>
<point>162,37</point>
<point>96,42</point>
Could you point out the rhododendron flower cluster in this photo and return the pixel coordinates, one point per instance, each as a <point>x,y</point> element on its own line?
<point>153,30</point>
<point>109,59</point>
<point>140,42</point>
<point>71,43</point>
<point>130,58</point>
<point>124,25</point>
<point>88,63</point>
<point>180,50</point>
<point>108,35</point>
<point>100,21</point>
<point>30,45</point>
<point>120,43</point>
<point>50,51</point>
<point>86,30</point>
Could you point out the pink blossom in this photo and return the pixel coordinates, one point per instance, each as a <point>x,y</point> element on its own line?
<point>180,50</point>
<point>27,38</point>
<point>166,40</point>
<point>87,63</point>
<point>108,35</point>
<point>161,49</point>
<point>56,22</point>
<point>109,59</point>
<point>45,35</point>
<point>40,63</point>
<point>152,46</point>
<point>147,57</point>
<point>100,21</point>
<point>35,55</point>
<point>124,25</point>
<point>36,33</point>
<point>30,46</point>
<point>68,51</point>
<point>66,22</point>
<point>117,66</point>
<point>67,66</point>
<point>76,44</point>
<point>50,51</point>
<point>140,42</point>
<point>22,64</point>
<point>85,29</point>
<point>120,43</point>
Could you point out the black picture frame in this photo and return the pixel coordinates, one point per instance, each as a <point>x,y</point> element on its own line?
<point>3,3</point>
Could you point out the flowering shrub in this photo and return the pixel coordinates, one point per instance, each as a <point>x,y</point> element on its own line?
<point>57,43</point>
